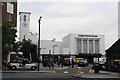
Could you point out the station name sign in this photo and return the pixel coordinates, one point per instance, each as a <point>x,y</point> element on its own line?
<point>87,36</point>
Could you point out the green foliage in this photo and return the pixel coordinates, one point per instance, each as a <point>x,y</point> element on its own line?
<point>8,38</point>
<point>8,33</point>
<point>16,46</point>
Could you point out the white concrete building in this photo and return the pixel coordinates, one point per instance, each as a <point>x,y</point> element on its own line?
<point>82,43</point>
<point>74,44</point>
<point>33,37</point>
<point>47,45</point>
<point>24,25</point>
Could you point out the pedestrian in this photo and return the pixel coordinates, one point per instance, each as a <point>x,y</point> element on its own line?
<point>24,64</point>
<point>58,63</point>
<point>93,68</point>
<point>72,63</point>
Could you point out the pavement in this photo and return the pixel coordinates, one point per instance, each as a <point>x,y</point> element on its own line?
<point>43,71</point>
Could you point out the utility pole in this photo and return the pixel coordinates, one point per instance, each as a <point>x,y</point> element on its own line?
<point>39,44</point>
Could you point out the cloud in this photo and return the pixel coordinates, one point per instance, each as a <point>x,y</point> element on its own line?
<point>62,18</point>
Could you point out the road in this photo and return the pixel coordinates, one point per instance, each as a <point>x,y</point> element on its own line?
<point>58,72</point>
<point>50,74</point>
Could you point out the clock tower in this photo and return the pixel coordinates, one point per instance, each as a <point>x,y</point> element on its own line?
<point>24,25</point>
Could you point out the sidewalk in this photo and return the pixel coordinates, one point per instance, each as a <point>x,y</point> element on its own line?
<point>28,71</point>
<point>102,74</point>
<point>42,71</point>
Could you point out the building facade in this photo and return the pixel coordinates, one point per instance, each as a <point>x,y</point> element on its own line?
<point>24,25</point>
<point>33,37</point>
<point>113,57</point>
<point>82,43</point>
<point>73,45</point>
<point>9,12</point>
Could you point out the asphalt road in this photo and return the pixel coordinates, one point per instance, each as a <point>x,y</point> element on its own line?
<point>51,74</point>
<point>58,72</point>
<point>54,74</point>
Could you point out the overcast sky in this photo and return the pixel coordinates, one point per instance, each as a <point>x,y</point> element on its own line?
<point>62,18</point>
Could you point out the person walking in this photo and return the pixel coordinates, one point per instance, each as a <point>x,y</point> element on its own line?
<point>73,63</point>
<point>24,64</point>
<point>58,63</point>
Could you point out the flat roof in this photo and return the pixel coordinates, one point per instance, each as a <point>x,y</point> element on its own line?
<point>25,12</point>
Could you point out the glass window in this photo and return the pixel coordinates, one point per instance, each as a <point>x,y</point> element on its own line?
<point>10,8</point>
<point>10,17</point>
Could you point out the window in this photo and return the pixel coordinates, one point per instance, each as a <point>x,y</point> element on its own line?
<point>84,45</point>
<point>96,46</point>
<point>10,8</point>
<point>79,46</point>
<point>24,18</point>
<point>10,17</point>
<point>90,46</point>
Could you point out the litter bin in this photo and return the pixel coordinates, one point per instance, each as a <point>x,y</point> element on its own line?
<point>96,68</point>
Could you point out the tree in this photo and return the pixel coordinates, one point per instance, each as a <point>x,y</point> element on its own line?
<point>26,48</point>
<point>8,38</point>
<point>29,49</point>
<point>16,46</point>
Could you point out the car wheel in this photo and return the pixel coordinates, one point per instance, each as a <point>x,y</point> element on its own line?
<point>33,67</point>
<point>13,68</point>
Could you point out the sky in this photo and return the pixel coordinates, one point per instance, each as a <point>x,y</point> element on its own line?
<point>61,18</point>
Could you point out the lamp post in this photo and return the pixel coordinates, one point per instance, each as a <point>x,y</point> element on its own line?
<point>53,54</point>
<point>39,44</point>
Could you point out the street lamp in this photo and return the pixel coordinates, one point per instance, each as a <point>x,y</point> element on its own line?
<point>53,54</point>
<point>39,43</point>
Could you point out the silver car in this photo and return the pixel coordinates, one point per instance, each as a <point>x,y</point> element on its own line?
<point>17,64</point>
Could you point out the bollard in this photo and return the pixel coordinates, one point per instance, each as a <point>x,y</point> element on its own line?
<point>79,71</point>
<point>91,71</point>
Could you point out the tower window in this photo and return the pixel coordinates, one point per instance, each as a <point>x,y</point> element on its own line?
<point>24,17</point>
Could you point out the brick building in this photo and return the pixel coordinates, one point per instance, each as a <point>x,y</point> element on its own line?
<point>9,12</point>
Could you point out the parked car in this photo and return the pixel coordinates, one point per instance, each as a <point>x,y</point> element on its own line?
<point>82,62</point>
<point>17,64</point>
<point>102,62</point>
<point>66,62</point>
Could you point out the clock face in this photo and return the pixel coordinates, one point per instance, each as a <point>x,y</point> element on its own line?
<point>24,24</point>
